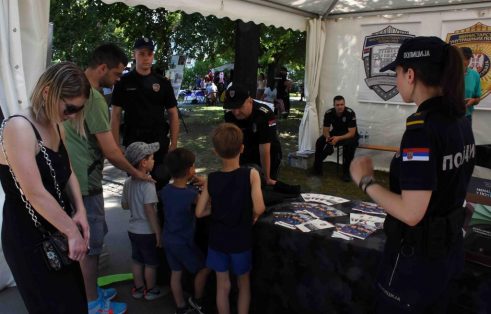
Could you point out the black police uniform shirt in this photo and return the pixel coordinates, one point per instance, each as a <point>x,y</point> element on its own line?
<point>144,100</point>
<point>259,128</point>
<point>340,124</point>
<point>437,154</point>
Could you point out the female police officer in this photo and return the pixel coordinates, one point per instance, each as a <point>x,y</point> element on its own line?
<point>428,181</point>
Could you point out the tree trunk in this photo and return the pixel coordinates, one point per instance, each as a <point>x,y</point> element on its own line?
<point>246,55</point>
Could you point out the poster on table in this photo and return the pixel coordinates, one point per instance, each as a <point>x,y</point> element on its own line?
<point>475,34</point>
<point>380,45</point>
<point>176,72</point>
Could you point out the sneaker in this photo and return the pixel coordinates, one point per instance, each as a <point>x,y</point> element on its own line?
<point>196,304</point>
<point>138,293</point>
<point>102,306</point>
<point>154,293</point>
<point>108,294</point>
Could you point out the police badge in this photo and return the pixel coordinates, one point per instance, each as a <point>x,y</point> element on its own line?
<point>478,38</point>
<point>156,87</point>
<point>380,49</point>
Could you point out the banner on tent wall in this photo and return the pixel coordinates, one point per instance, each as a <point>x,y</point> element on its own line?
<point>176,72</point>
<point>476,36</point>
<point>380,47</point>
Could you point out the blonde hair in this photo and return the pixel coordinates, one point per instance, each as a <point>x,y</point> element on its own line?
<point>64,80</point>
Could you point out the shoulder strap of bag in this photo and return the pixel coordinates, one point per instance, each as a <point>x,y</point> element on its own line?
<point>29,208</point>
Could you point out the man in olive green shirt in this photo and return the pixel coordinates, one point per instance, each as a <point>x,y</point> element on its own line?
<point>87,152</point>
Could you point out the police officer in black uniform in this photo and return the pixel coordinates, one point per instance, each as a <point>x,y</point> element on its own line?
<point>428,182</point>
<point>258,123</point>
<point>339,129</point>
<point>146,97</point>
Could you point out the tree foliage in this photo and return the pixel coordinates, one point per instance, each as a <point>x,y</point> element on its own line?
<point>81,25</point>
<point>205,38</point>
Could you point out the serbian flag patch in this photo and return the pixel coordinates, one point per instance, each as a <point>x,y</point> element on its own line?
<point>416,154</point>
<point>272,122</point>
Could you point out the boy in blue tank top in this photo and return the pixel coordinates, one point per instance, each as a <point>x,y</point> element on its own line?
<point>179,227</point>
<point>236,203</point>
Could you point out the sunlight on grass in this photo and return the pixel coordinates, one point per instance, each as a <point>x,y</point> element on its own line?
<point>201,120</point>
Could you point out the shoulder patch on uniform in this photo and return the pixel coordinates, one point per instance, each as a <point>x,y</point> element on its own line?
<point>264,109</point>
<point>416,120</point>
<point>349,110</point>
<point>330,110</point>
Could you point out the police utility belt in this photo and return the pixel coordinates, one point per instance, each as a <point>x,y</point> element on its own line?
<point>433,237</point>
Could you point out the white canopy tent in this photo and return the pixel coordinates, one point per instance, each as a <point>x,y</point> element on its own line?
<point>332,68</point>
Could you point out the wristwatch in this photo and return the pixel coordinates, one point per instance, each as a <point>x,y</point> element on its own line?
<point>365,182</point>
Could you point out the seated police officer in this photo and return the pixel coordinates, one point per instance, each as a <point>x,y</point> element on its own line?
<point>258,123</point>
<point>339,129</point>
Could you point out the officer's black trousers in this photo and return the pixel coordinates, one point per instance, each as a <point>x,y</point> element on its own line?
<point>322,150</point>
<point>411,283</point>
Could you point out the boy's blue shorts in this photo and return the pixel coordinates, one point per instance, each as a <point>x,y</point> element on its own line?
<point>184,256</point>
<point>238,263</point>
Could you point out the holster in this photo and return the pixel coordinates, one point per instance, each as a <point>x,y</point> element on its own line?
<point>433,237</point>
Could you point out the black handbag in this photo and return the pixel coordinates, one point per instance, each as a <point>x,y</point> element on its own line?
<point>54,244</point>
<point>55,251</point>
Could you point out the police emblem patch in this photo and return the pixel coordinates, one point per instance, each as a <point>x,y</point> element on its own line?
<point>156,87</point>
<point>478,38</point>
<point>232,93</point>
<point>380,49</point>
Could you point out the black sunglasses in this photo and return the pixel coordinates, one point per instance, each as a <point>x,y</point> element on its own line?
<point>72,109</point>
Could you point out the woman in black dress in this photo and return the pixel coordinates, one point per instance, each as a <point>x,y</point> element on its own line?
<point>59,95</point>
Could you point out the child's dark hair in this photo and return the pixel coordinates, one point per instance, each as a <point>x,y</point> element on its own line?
<point>179,161</point>
<point>449,77</point>
<point>227,140</point>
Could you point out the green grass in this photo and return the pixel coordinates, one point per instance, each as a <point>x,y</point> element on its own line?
<point>201,120</point>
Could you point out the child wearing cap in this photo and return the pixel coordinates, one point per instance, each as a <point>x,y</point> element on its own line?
<point>236,203</point>
<point>140,197</point>
<point>179,228</point>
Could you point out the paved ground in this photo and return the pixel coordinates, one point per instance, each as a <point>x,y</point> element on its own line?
<point>117,260</point>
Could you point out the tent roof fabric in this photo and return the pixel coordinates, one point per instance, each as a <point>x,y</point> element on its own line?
<point>292,13</point>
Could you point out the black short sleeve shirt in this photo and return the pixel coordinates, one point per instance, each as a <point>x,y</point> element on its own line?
<point>144,99</point>
<point>436,153</point>
<point>340,124</point>
<point>259,128</point>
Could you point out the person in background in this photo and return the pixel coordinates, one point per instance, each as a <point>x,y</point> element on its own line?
<point>339,129</point>
<point>59,95</point>
<point>236,203</point>
<point>87,150</point>
<point>261,85</point>
<point>269,94</point>
<point>284,86</point>
<point>140,197</point>
<point>179,230</point>
<point>472,83</point>
<point>428,182</point>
